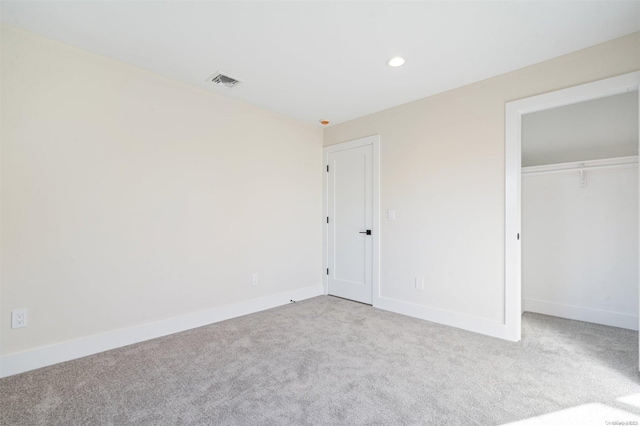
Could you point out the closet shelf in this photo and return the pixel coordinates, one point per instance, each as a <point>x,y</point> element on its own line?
<point>576,166</point>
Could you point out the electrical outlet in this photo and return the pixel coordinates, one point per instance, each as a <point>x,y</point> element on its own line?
<point>18,318</point>
<point>419,283</point>
<point>254,279</point>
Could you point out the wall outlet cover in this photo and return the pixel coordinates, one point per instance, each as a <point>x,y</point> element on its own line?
<point>18,318</point>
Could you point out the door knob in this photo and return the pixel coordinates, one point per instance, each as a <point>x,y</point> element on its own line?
<point>368,232</point>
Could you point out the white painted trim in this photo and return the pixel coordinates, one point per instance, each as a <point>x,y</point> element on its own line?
<point>448,318</point>
<point>376,221</point>
<point>513,267</point>
<point>355,143</point>
<point>325,228</point>
<point>30,360</point>
<point>373,140</point>
<point>513,141</point>
<point>580,313</point>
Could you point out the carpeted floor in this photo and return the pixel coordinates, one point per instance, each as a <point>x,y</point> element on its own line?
<point>328,361</point>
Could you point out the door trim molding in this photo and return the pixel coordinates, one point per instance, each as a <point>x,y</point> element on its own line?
<point>374,141</point>
<point>513,156</point>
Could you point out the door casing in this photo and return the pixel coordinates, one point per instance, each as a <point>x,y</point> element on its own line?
<point>513,157</point>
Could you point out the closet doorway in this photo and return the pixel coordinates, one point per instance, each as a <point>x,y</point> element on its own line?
<point>515,111</point>
<point>579,209</point>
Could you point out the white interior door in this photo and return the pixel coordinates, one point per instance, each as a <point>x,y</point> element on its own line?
<point>350,223</point>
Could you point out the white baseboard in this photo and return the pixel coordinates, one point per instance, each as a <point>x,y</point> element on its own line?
<point>41,357</point>
<point>597,316</point>
<point>453,319</point>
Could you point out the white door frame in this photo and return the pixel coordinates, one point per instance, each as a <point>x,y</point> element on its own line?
<point>513,157</point>
<point>373,140</point>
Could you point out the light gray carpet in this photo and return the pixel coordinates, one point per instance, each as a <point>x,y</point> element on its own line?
<point>330,361</point>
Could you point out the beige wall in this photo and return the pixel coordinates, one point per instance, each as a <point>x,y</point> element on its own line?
<point>442,170</point>
<point>592,130</point>
<point>128,197</point>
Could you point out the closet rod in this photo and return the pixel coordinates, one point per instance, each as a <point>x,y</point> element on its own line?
<point>586,167</point>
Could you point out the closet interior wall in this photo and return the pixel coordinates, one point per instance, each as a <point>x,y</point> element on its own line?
<point>580,211</point>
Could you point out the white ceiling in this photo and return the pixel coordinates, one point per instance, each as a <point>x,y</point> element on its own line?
<point>312,59</point>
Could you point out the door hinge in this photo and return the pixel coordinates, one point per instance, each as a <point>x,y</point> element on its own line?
<point>327,271</point>
<point>327,219</point>
<point>518,235</point>
<point>327,167</point>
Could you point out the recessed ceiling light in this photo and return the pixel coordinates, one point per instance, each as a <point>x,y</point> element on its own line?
<point>395,62</point>
<point>324,122</point>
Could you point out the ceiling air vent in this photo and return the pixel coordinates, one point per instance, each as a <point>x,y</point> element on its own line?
<point>220,79</point>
